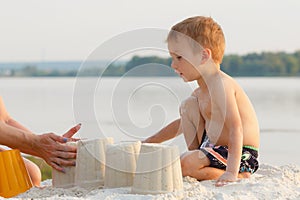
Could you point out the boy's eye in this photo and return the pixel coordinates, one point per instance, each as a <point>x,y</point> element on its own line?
<point>178,57</point>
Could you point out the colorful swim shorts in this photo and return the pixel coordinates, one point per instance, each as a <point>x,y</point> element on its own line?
<point>218,157</point>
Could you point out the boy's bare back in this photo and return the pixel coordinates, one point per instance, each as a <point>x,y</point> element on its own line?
<point>218,127</point>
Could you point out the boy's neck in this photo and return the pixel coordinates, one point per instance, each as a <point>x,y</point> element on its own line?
<point>211,72</point>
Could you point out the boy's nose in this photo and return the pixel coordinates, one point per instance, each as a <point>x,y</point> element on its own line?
<point>173,65</point>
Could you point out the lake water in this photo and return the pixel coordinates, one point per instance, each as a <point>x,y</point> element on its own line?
<point>134,108</point>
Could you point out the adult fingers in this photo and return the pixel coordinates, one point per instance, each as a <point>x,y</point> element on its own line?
<point>57,167</point>
<point>73,139</point>
<point>57,138</point>
<point>66,148</point>
<point>66,155</point>
<point>63,162</point>
<point>59,163</point>
<point>72,131</point>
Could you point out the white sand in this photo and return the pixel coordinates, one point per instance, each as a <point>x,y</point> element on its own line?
<point>268,182</point>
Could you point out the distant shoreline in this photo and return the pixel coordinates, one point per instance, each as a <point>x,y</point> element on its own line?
<point>250,65</point>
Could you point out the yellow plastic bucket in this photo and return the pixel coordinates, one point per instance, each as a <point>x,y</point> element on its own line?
<point>14,178</point>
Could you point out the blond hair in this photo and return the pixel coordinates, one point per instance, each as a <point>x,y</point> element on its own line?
<point>205,31</point>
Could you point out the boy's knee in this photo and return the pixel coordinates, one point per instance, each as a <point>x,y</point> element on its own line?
<point>189,108</point>
<point>192,161</point>
<point>185,166</point>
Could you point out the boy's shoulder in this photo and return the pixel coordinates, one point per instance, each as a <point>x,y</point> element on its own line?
<point>229,82</point>
<point>196,92</point>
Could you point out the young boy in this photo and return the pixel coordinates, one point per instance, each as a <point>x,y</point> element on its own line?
<point>218,120</point>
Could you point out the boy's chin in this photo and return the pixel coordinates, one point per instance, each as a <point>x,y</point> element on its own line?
<point>185,79</point>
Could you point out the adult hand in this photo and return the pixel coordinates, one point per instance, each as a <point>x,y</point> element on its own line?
<point>69,134</point>
<point>226,178</point>
<point>52,148</point>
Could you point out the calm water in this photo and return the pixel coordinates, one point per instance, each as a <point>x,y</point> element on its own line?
<point>133,108</point>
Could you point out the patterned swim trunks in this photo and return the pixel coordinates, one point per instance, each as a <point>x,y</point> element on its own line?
<point>218,158</point>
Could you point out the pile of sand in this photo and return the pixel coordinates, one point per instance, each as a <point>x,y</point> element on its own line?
<point>268,182</point>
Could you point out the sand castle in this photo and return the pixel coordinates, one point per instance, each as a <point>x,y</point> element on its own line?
<point>158,170</point>
<point>90,162</point>
<point>90,165</point>
<point>147,168</point>
<point>67,179</point>
<point>121,164</point>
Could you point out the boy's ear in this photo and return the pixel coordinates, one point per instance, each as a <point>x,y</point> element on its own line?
<point>206,54</point>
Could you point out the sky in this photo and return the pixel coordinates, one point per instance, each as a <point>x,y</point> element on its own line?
<point>65,30</point>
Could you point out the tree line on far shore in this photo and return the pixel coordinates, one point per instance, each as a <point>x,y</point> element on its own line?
<point>253,64</point>
<point>263,64</point>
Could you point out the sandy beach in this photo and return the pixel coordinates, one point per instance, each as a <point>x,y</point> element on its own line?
<point>269,182</point>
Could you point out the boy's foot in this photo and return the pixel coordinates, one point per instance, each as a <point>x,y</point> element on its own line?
<point>244,175</point>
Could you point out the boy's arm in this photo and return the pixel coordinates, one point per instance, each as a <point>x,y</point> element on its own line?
<point>235,140</point>
<point>168,132</point>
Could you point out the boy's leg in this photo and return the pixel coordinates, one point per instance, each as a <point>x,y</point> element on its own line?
<point>190,116</point>
<point>195,164</point>
<point>211,173</point>
<point>192,163</point>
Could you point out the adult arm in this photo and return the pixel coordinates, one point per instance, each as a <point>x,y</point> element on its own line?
<point>48,146</point>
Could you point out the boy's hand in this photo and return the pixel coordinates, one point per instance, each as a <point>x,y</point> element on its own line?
<point>225,179</point>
